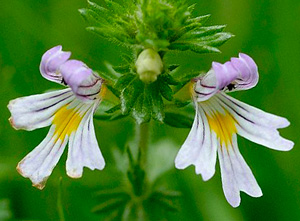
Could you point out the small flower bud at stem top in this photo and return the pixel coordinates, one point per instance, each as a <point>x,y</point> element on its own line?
<point>149,65</point>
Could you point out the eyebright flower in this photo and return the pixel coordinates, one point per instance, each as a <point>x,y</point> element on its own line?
<point>219,118</point>
<point>70,114</point>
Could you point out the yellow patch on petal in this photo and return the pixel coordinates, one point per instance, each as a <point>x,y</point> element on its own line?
<point>66,121</point>
<point>223,125</point>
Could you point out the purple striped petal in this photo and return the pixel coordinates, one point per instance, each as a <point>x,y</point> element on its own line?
<point>237,74</point>
<point>248,72</point>
<point>51,61</point>
<point>225,74</point>
<point>85,84</point>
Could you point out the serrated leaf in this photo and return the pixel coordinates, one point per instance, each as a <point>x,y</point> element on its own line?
<point>112,35</point>
<point>124,69</point>
<point>124,81</point>
<point>115,7</point>
<point>203,44</point>
<point>92,17</point>
<point>195,47</point>
<point>113,90</point>
<point>130,94</point>
<point>129,59</point>
<point>97,8</point>
<point>114,75</point>
<point>200,19</point>
<point>216,39</point>
<point>203,31</point>
<point>183,77</point>
<point>178,120</point>
<point>157,102</point>
<point>142,109</point>
<point>184,30</point>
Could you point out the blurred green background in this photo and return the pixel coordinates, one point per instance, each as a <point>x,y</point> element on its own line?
<point>266,30</point>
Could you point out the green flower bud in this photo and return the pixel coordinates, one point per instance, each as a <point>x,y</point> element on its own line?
<point>149,65</point>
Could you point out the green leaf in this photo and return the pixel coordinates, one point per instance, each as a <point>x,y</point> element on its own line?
<point>166,91</point>
<point>109,205</point>
<point>113,90</point>
<point>180,104</point>
<point>178,120</point>
<point>200,19</point>
<point>168,77</point>
<point>124,81</point>
<point>113,35</point>
<point>108,111</point>
<point>115,7</point>
<point>203,44</point>
<point>203,31</point>
<point>173,67</point>
<point>113,109</point>
<point>157,102</point>
<point>92,17</point>
<point>124,69</point>
<point>141,110</point>
<point>130,94</point>
<point>99,10</point>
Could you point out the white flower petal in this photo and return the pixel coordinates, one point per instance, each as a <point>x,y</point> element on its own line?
<point>236,174</point>
<point>37,111</point>
<point>83,147</point>
<point>39,163</point>
<point>256,125</point>
<point>200,148</point>
<point>229,184</point>
<point>72,119</point>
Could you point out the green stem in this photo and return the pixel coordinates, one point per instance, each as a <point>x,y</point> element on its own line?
<point>143,135</point>
<point>60,209</point>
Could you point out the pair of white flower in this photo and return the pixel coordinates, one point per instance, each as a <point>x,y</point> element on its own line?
<point>218,119</point>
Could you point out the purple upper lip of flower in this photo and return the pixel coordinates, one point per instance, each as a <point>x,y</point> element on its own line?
<point>56,66</point>
<point>51,61</point>
<point>237,74</point>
